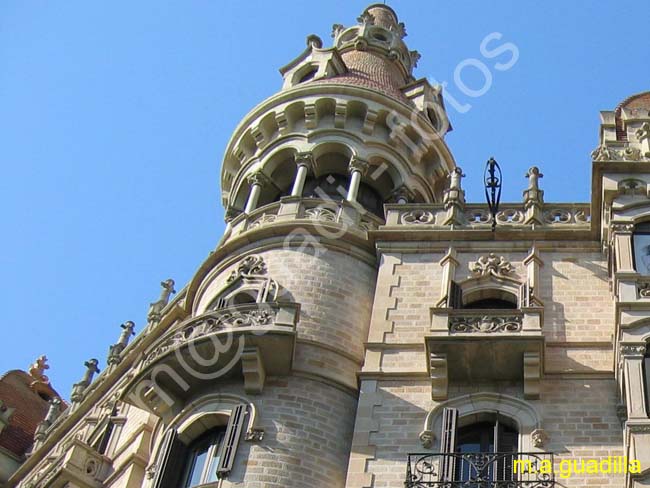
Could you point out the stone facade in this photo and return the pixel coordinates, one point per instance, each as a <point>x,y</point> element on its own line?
<point>360,324</point>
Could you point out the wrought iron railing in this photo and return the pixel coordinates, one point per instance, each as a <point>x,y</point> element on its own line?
<point>480,470</point>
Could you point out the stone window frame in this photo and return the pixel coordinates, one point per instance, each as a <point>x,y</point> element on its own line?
<point>473,406</point>
<point>198,417</point>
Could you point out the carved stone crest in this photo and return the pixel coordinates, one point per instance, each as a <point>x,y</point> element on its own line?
<point>249,266</point>
<point>498,267</point>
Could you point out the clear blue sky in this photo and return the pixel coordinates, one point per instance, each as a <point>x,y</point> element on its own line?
<point>114,116</point>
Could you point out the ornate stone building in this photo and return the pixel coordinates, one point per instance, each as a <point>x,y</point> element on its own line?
<point>361,325</point>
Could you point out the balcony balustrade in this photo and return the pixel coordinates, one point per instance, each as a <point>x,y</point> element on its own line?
<point>480,470</point>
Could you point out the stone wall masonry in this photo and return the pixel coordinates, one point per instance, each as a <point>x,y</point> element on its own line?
<point>578,415</point>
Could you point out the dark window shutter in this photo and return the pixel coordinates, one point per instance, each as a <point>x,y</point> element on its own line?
<point>171,457</point>
<point>448,443</point>
<point>455,296</point>
<point>231,440</point>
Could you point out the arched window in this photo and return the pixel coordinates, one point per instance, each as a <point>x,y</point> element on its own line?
<point>197,456</point>
<point>202,459</point>
<point>478,450</point>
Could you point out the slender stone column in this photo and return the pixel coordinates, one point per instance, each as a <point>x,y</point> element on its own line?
<point>304,162</point>
<point>357,168</point>
<point>256,180</point>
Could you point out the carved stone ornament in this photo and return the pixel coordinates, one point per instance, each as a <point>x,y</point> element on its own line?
<point>491,265</point>
<point>427,438</point>
<point>400,30</point>
<point>337,29</point>
<point>632,153</point>
<point>256,434</point>
<point>621,228</point>
<point>633,349</point>
<point>415,57</point>
<point>359,165</point>
<point>366,18</point>
<point>257,178</point>
<point>416,217</point>
<point>644,289</point>
<point>539,437</point>
<point>215,322</point>
<point>485,324</point>
<point>36,370</point>
<point>157,307</point>
<point>248,267</point>
<point>321,213</point>
<point>602,153</point>
<point>644,132</point>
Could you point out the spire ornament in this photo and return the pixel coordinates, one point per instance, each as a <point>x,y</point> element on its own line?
<point>79,388</point>
<point>115,351</point>
<point>157,307</point>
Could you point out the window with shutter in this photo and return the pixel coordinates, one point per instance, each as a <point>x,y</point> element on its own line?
<point>171,456</point>
<point>231,440</point>
<point>448,443</point>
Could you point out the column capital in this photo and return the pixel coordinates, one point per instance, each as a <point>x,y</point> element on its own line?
<point>621,227</point>
<point>629,351</point>
<point>304,159</point>
<point>357,164</point>
<point>258,178</point>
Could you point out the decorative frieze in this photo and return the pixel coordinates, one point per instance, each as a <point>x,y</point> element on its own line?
<point>484,324</point>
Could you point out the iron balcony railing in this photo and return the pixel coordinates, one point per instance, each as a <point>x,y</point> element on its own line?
<point>480,470</point>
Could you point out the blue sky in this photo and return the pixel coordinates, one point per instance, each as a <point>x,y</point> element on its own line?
<point>115,114</point>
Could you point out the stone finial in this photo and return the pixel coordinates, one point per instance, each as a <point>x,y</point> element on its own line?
<point>337,29</point>
<point>53,413</point>
<point>454,198</point>
<point>533,197</point>
<point>366,18</point>
<point>79,388</point>
<point>37,369</point>
<point>533,176</point>
<point>115,351</point>
<point>156,307</point>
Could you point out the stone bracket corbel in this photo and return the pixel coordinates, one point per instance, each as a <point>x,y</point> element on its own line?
<point>439,374</point>
<point>253,369</point>
<point>532,375</point>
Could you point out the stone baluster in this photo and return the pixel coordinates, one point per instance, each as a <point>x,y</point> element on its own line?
<point>79,388</point>
<point>115,351</point>
<point>533,198</point>
<point>304,163</point>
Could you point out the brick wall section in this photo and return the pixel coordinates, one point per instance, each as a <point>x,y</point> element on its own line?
<point>577,302</point>
<point>334,290</point>
<point>419,289</point>
<point>308,430</point>
<point>578,415</point>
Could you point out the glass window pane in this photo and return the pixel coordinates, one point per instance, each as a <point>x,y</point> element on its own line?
<point>194,477</point>
<point>214,463</point>
<point>642,253</point>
